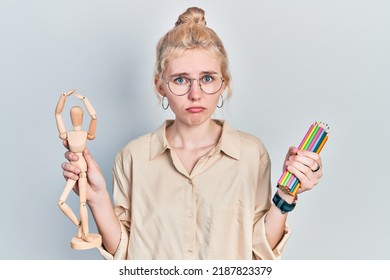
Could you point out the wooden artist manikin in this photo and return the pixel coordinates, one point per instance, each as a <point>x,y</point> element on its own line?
<point>77,140</point>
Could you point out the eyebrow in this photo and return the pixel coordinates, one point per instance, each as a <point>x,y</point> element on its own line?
<point>186,74</point>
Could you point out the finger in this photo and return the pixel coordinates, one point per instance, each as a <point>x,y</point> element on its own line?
<point>70,175</point>
<point>65,143</point>
<point>316,157</point>
<point>293,150</point>
<point>306,161</point>
<point>299,167</point>
<point>308,169</point>
<point>309,154</point>
<point>92,164</point>
<point>310,159</point>
<point>307,182</point>
<point>68,167</point>
<point>304,165</point>
<point>71,156</point>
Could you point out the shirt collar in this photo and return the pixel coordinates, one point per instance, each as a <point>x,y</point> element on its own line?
<point>158,141</point>
<point>229,143</point>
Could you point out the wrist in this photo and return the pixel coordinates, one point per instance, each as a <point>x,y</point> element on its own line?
<point>100,199</point>
<point>287,197</point>
<point>285,206</point>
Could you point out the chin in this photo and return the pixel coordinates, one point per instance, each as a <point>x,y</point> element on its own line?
<point>198,120</point>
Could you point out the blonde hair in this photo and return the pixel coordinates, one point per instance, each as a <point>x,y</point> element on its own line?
<point>191,32</point>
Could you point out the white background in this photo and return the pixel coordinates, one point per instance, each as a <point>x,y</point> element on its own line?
<point>293,62</point>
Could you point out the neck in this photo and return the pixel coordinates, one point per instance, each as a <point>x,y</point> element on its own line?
<point>181,136</point>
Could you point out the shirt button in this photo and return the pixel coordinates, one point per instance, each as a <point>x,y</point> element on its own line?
<point>189,251</point>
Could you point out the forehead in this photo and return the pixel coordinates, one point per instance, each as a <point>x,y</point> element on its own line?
<point>193,61</point>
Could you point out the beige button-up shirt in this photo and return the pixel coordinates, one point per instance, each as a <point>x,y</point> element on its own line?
<point>215,212</point>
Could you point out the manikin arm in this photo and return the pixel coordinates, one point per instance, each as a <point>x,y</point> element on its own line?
<point>59,108</point>
<point>92,113</point>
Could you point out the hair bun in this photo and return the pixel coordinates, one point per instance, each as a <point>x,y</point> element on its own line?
<point>192,15</point>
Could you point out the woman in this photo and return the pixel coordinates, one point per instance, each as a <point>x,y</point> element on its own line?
<point>196,188</point>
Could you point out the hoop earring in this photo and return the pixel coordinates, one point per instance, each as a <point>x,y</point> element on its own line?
<point>165,107</point>
<point>220,105</point>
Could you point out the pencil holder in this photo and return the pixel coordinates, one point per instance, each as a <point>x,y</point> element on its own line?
<point>314,141</point>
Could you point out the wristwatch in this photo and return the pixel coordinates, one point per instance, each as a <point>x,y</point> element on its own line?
<point>282,204</point>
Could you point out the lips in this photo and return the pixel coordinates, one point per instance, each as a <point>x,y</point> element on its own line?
<point>195,109</point>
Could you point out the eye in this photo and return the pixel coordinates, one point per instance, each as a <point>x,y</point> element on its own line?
<point>180,80</point>
<point>206,79</point>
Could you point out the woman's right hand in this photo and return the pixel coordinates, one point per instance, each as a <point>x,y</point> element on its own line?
<point>96,180</point>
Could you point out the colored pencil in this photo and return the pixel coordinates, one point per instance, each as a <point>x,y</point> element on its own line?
<point>314,140</point>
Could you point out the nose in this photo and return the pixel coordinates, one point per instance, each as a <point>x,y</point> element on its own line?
<point>195,92</point>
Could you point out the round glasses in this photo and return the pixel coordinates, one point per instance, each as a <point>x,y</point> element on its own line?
<point>209,83</point>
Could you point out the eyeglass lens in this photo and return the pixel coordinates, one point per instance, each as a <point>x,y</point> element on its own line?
<point>209,84</point>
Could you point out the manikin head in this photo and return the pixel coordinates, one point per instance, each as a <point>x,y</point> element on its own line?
<point>76,116</point>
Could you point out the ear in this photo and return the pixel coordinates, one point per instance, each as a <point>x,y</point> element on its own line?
<point>223,89</point>
<point>158,85</point>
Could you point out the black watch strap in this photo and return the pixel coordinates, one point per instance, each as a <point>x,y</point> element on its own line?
<point>282,204</point>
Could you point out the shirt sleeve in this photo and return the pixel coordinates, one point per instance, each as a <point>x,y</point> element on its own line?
<point>261,248</point>
<point>121,251</point>
<point>122,204</point>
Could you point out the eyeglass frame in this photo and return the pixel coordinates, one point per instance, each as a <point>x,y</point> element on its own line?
<point>200,86</point>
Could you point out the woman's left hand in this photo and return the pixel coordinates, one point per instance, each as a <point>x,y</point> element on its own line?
<point>305,165</point>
